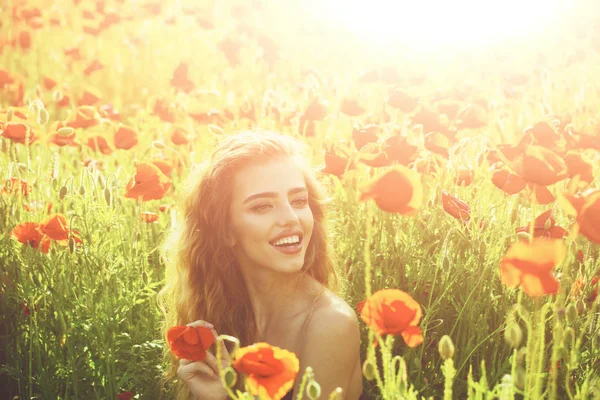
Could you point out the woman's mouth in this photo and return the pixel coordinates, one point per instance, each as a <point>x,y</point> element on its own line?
<point>290,245</point>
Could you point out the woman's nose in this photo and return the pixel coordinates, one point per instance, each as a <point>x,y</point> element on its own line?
<point>287,215</point>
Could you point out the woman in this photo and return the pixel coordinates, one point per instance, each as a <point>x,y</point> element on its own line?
<point>249,258</point>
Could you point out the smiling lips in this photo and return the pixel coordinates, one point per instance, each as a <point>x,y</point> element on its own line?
<point>286,245</point>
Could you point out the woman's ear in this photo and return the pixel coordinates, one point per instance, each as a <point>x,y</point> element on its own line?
<point>230,239</point>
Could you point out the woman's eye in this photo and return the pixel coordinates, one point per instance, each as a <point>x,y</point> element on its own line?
<point>301,201</point>
<point>261,207</point>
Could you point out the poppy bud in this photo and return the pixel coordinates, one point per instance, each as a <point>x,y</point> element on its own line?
<point>71,244</point>
<point>580,307</point>
<point>313,390</point>
<point>230,377</point>
<point>107,196</point>
<point>513,335</point>
<point>158,144</point>
<point>54,183</point>
<point>368,370</point>
<point>57,95</point>
<point>138,236</point>
<point>521,355</point>
<point>446,262</point>
<point>524,236</point>
<point>101,181</point>
<point>9,114</point>
<point>66,131</point>
<point>42,116</point>
<point>519,378</point>
<point>561,314</point>
<point>82,190</point>
<point>571,313</point>
<point>482,248</point>
<point>337,394</point>
<point>63,192</point>
<point>446,347</point>
<point>215,129</point>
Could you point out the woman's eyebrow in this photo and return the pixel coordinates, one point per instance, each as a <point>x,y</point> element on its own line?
<point>274,194</point>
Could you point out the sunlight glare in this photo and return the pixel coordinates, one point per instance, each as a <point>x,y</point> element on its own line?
<point>432,23</point>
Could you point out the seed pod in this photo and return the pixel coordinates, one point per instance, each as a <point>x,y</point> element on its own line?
<point>580,307</point>
<point>446,347</point>
<point>65,131</point>
<point>63,192</point>
<point>138,236</point>
<point>57,95</point>
<point>158,144</point>
<point>230,377</point>
<point>82,190</point>
<point>446,262</point>
<point>9,114</point>
<point>337,394</point>
<point>54,183</point>
<point>368,370</point>
<point>524,236</point>
<point>215,129</point>
<point>571,314</point>
<point>107,196</point>
<point>313,390</point>
<point>42,116</point>
<point>71,244</point>
<point>519,378</point>
<point>101,181</point>
<point>513,335</point>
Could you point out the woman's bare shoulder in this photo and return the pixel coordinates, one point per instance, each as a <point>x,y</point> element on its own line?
<point>331,304</point>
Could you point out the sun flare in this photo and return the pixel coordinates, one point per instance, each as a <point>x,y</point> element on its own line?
<point>434,23</point>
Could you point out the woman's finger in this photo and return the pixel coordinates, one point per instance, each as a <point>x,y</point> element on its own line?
<point>201,323</point>
<point>187,372</point>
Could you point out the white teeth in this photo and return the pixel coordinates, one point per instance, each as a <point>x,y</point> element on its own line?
<point>287,240</point>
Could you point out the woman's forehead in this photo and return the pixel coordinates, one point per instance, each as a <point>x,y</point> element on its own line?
<point>276,175</point>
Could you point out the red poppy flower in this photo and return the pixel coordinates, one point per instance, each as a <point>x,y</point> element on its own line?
<point>464,176</point>
<point>393,312</point>
<point>437,143</point>
<point>397,190</point>
<point>351,108</point>
<point>179,137</point>
<point>336,161</point>
<point>544,134</point>
<point>149,183</point>
<point>149,217</point>
<point>125,396</point>
<point>85,117</point>
<point>55,226</point>
<point>578,167</point>
<point>125,138</point>
<point>530,264</point>
<point>540,194</point>
<point>17,185</point>
<point>93,66</point>
<point>29,234</point>
<point>316,110</point>
<point>545,226</point>
<point>364,135</point>
<point>99,143</point>
<point>402,101</point>
<point>48,83</point>
<point>270,370</point>
<point>456,207</point>
<point>180,79</point>
<point>17,132</point>
<point>507,181</point>
<point>89,98</point>
<point>399,150</point>
<point>540,165</point>
<point>587,209</point>
<point>190,342</point>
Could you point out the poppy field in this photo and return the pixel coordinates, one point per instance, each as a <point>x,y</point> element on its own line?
<point>464,195</point>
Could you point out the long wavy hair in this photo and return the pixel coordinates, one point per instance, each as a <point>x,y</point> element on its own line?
<point>203,278</point>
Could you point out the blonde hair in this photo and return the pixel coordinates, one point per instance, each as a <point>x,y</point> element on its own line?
<point>203,280</point>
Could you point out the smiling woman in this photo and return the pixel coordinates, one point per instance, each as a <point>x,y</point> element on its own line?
<point>249,258</point>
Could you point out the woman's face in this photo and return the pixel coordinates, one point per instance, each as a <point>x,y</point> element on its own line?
<point>271,221</point>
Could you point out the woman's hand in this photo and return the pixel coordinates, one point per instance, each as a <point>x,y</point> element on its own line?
<point>202,377</point>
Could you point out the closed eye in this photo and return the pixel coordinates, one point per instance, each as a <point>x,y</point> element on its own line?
<point>261,207</point>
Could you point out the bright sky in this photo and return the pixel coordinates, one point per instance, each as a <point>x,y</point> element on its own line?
<point>434,23</point>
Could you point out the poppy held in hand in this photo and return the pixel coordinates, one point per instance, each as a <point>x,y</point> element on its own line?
<point>190,342</point>
<point>393,312</point>
<point>270,370</point>
<point>530,265</point>
<point>397,190</point>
